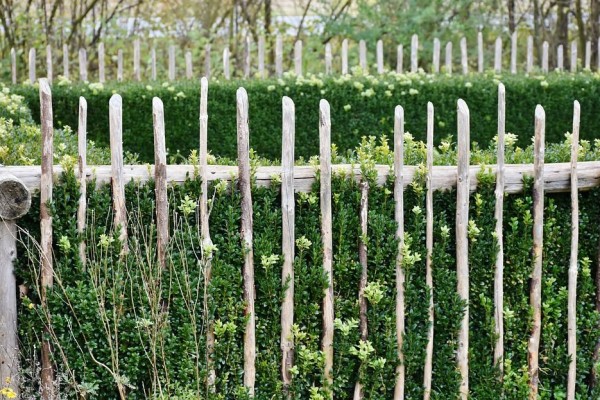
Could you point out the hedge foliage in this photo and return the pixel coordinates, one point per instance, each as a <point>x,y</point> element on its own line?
<point>360,105</point>
<point>125,322</point>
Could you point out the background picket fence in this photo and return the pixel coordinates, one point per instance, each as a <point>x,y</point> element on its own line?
<point>563,177</point>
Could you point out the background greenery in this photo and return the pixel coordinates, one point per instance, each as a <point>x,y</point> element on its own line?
<point>360,105</point>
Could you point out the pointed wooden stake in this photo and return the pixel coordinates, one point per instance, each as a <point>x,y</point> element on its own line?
<point>400,59</point>
<point>545,48</point>
<point>298,57</point>
<point>414,54</point>
<point>380,57</point>
<point>83,70</point>
<point>513,53</point>
<point>480,66</point>
<point>81,175</point>
<point>115,110</point>
<point>498,56</point>
<point>449,58</point>
<point>344,56</point>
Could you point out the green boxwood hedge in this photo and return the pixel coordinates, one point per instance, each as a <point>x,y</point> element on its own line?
<point>360,105</point>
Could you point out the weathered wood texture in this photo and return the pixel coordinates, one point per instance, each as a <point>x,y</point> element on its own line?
<point>160,179</point>
<point>115,110</point>
<point>81,167</point>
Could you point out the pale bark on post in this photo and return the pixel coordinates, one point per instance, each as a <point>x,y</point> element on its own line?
<point>279,56</point>
<point>498,56</point>
<point>538,242</point>
<point>560,56</point>
<point>598,57</point>
<point>328,59</point>
<point>529,54</point>
<point>120,65</point>
<point>436,56</point>
<point>32,66</point>
<point>153,63</point>
<point>13,65</point>
<point>160,179</point>
<point>400,275</point>
<point>81,176</point>
<point>462,243</point>
<point>498,215</point>
<point>47,273</point>
<point>449,58</point>
<point>288,241</point>
<point>400,59</point>
<point>572,290</point>
<point>226,70</point>
<point>65,55</point>
<point>261,56</point>
<point>101,73</point>
<point>205,231</point>
<point>362,56</point>
<point>83,74</point>
<point>189,73</point>
<point>14,203</point>
<point>480,66</point>
<point>326,237</point>
<point>172,72</point>
<point>414,53</point>
<point>298,57</point>
<point>545,47</point>
<point>428,370</point>
<point>247,55</point>
<point>513,53</point>
<point>573,56</point>
<point>244,182</point>
<point>380,69</point>
<point>115,115</point>
<point>207,61</point>
<point>137,75</point>
<point>362,257</point>
<point>464,56</point>
<point>588,56</point>
<point>344,56</point>
<point>49,64</point>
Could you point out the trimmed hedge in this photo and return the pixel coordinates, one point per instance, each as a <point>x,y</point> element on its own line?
<point>360,105</point>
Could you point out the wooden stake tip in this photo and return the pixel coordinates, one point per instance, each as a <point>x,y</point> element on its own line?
<point>540,114</point>
<point>399,112</point>
<point>115,101</point>
<point>157,104</point>
<point>462,107</point>
<point>501,88</point>
<point>44,86</point>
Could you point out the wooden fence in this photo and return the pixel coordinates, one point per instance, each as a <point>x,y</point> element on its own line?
<point>560,177</point>
<point>259,68</point>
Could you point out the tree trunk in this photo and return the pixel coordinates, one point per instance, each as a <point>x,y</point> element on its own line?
<point>561,35</point>
<point>594,29</point>
<point>511,16</point>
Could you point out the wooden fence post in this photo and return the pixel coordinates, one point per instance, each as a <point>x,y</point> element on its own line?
<point>588,55</point>
<point>261,56</point>
<point>49,63</point>
<point>427,374</point>
<point>449,58</point>
<point>400,59</point>
<point>328,59</point>
<point>81,175</point>
<point>362,257</point>
<point>207,61</point>
<point>65,55</point>
<point>362,56</point>
<point>279,56</point>
<point>47,273</point>
<point>120,65</point>
<point>399,218</point>
<point>205,230</point>
<point>32,65</point>
<point>462,243</point>
<point>538,242</point>
<point>380,57</point>
<point>344,56</point>
<point>573,56</point>
<point>160,179</point>
<point>243,135</point>
<point>513,53</point>
<point>572,291</point>
<point>247,55</point>
<point>327,237</point>
<point>288,241</point>
<point>298,57</point>
<point>83,75</point>
<point>480,66</point>
<point>153,63</point>
<point>189,73</point>
<point>115,109</point>
<point>14,203</point>
<point>436,56</point>
<point>464,56</point>
<point>172,66</point>
<point>560,54</point>
<point>13,65</point>
<point>226,72</point>
<point>498,56</point>
<point>414,53</point>
<point>529,54</point>
<point>498,214</point>
<point>136,60</point>
<point>101,73</point>
<point>545,48</point>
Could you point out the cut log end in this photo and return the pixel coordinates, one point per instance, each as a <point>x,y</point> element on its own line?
<point>15,199</point>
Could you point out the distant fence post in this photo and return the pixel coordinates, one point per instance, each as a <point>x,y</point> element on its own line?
<point>101,73</point>
<point>362,56</point>
<point>226,63</point>
<point>414,53</point>
<point>328,59</point>
<point>153,63</point>
<point>13,65</point>
<point>247,56</point>
<point>189,72</point>
<point>529,67</point>
<point>49,63</point>
<point>65,56</point>
<point>545,48</point>
<point>498,56</point>
<point>207,61</point>
<point>344,56</point>
<point>32,66</point>
<point>120,65</point>
<point>171,62</point>
<point>436,56</point>
<point>513,53</point>
<point>480,67</point>
<point>379,57</point>
<point>83,75</point>
<point>400,59</point>
<point>449,58</point>
<point>136,60</point>
<point>574,56</point>
<point>560,56</point>
<point>261,56</point>
<point>588,55</point>
<point>298,57</point>
<point>279,56</point>
<point>464,56</point>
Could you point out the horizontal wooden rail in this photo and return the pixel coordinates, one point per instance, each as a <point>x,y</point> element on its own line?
<point>556,176</point>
